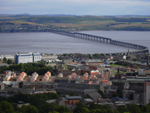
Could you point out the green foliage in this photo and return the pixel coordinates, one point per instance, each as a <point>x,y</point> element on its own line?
<point>95,106</point>
<point>20,97</point>
<point>78,109</point>
<point>146,109</point>
<point>9,61</point>
<point>62,109</point>
<point>6,107</point>
<point>29,109</point>
<point>71,19</point>
<point>122,109</point>
<point>98,111</point>
<point>45,108</point>
<point>133,108</point>
<point>5,59</point>
<point>85,110</point>
<point>130,19</point>
<point>29,68</point>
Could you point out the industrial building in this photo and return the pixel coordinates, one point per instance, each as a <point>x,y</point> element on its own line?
<point>26,58</point>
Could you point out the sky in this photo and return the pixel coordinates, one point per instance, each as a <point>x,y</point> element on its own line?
<point>76,7</point>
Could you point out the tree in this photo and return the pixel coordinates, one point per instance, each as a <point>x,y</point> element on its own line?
<point>146,108</point>
<point>9,61</point>
<point>133,108</point>
<point>95,106</point>
<point>78,109</point>
<point>20,84</point>
<point>62,109</point>
<point>5,59</point>
<point>6,107</point>
<point>53,112</point>
<point>29,109</point>
<point>98,111</point>
<point>85,110</point>
<point>45,108</point>
<point>122,109</point>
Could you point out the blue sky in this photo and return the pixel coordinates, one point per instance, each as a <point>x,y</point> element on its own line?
<point>76,7</point>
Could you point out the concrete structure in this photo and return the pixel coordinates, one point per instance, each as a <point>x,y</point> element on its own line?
<point>26,58</point>
<point>140,48</point>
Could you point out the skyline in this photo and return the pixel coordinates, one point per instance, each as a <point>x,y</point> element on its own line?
<point>76,7</point>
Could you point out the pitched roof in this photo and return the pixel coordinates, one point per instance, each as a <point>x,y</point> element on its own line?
<point>94,95</point>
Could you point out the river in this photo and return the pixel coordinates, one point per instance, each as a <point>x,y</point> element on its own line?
<point>46,42</point>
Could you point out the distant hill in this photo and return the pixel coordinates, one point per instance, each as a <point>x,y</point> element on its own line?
<point>85,22</point>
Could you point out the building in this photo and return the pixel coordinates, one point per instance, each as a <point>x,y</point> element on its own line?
<point>135,87</point>
<point>147,92</point>
<point>33,77</point>
<point>26,58</point>
<point>46,76</point>
<point>2,86</point>
<point>78,88</point>
<point>72,100</point>
<point>21,77</point>
<point>92,62</point>
<point>68,100</point>
<point>9,75</point>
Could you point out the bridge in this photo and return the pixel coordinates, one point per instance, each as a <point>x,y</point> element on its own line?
<point>140,49</point>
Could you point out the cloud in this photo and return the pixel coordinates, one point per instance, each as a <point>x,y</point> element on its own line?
<point>77,7</point>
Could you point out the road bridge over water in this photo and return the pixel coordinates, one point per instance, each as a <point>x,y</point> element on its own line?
<point>140,49</point>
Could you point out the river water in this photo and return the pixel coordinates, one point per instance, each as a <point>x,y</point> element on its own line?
<point>46,42</point>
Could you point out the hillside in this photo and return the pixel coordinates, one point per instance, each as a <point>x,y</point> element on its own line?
<point>135,23</point>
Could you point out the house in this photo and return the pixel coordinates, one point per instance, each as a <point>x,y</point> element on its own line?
<point>46,77</point>
<point>73,100</point>
<point>9,75</point>
<point>33,77</point>
<point>21,77</point>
